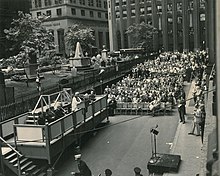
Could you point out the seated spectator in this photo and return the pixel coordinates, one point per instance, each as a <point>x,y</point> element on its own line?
<point>59,112</point>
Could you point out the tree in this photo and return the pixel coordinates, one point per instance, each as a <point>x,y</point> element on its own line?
<point>29,38</point>
<point>79,33</point>
<point>141,35</point>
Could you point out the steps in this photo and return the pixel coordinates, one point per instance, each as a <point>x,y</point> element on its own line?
<point>27,165</point>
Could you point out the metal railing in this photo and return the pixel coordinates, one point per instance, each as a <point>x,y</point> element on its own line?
<point>19,155</point>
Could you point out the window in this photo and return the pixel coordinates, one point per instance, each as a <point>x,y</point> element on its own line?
<point>47,2</point>
<point>202,17</point>
<point>91,13</point>
<point>82,2</point>
<point>83,13</point>
<point>73,1</point>
<point>179,6</point>
<point>91,2</point>
<point>170,20</point>
<point>117,14</point>
<point>142,10</point>
<point>179,20</point>
<point>38,3</point>
<point>124,13</point>
<point>149,10</point>
<point>48,12</point>
<point>73,11</point>
<point>99,15</point>
<point>61,43</point>
<point>105,5</point>
<point>169,7</point>
<point>59,12</point>
<point>98,3</point>
<point>106,15</point>
<point>38,14</point>
<point>58,1</point>
<point>133,12</point>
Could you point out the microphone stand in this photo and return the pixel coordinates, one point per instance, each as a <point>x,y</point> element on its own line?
<point>154,134</point>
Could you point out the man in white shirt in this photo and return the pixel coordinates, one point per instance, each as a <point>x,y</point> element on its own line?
<point>75,101</point>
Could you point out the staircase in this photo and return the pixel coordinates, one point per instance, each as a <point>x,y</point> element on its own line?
<point>27,165</point>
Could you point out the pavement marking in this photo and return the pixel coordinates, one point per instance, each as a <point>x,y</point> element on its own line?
<point>170,143</point>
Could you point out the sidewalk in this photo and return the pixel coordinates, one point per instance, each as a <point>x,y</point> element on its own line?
<point>187,146</point>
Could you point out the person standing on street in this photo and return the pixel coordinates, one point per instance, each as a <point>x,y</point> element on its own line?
<point>181,109</point>
<point>82,166</point>
<point>196,122</point>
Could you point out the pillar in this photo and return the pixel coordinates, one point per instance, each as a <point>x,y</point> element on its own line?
<point>121,25</point>
<point>164,25</point>
<point>155,23</point>
<point>185,4</point>
<point>175,34</point>
<point>137,11</point>
<point>217,29</point>
<point>211,30</point>
<point>112,25</point>
<point>196,19</point>
<point>128,6</point>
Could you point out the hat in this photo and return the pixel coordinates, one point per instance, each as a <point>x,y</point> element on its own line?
<point>77,93</point>
<point>137,170</point>
<point>78,156</point>
<point>108,172</point>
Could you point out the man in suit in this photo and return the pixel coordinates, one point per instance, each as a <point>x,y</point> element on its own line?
<point>181,109</point>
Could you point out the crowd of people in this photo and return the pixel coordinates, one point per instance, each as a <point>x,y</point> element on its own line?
<point>160,80</point>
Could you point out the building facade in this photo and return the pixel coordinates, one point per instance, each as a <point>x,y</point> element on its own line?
<point>181,24</point>
<point>64,13</point>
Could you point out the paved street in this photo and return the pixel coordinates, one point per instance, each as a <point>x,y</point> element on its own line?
<point>123,146</point>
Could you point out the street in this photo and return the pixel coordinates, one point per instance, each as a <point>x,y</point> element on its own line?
<point>123,146</point>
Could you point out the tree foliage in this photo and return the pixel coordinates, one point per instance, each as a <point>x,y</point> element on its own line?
<point>28,38</point>
<point>141,35</point>
<point>79,33</point>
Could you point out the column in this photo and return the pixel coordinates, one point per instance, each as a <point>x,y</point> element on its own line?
<point>185,26</point>
<point>155,23</point>
<point>206,25</point>
<point>121,25</point>
<point>174,16</point>
<point>217,29</point>
<point>112,25</point>
<point>211,30</point>
<point>196,19</point>
<point>164,25</point>
<point>97,39</point>
<point>128,6</point>
<point>137,11</point>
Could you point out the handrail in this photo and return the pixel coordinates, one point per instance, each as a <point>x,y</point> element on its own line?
<point>11,119</point>
<point>20,155</point>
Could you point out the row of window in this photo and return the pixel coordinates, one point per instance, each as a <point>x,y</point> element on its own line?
<point>73,12</point>
<point>97,3</point>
